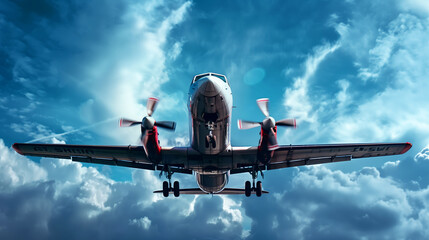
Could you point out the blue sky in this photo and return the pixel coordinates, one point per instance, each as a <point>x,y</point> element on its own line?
<point>348,71</point>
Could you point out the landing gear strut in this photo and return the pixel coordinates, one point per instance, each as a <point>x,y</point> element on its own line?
<point>255,187</point>
<point>210,139</point>
<point>166,185</point>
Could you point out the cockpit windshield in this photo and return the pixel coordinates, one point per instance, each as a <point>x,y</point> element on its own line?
<point>198,77</point>
<point>220,76</point>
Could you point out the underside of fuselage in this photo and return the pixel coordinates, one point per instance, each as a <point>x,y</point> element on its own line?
<point>210,107</point>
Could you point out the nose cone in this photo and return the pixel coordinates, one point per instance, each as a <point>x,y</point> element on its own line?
<point>209,87</point>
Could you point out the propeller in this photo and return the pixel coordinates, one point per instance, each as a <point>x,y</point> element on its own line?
<point>268,124</point>
<point>148,122</point>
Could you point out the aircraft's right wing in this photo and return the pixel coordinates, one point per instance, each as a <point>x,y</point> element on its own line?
<point>299,155</point>
<point>126,156</point>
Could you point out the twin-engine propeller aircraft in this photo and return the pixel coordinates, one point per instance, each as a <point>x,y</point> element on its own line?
<point>211,157</point>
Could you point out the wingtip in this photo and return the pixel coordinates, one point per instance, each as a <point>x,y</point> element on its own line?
<point>239,124</point>
<point>120,122</point>
<point>16,148</point>
<point>407,147</point>
<point>294,123</point>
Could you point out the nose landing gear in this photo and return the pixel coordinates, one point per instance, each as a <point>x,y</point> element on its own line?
<point>210,139</point>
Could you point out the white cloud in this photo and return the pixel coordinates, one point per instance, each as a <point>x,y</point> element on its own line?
<point>417,6</point>
<point>342,96</point>
<point>399,107</point>
<point>17,170</point>
<point>297,101</point>
<point>143,222</point>
<point>124,77</point>
<point>360,204</point>
<point>422,155</point>
<point>61,195</point>
<point>388,107</point>
<point>175,50</point>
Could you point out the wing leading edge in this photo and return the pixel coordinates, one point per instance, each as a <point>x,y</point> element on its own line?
<point>126,156</point>
<point>299,155</point>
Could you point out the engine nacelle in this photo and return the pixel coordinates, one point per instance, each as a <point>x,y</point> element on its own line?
<point>265,149</point>
<point>151,145</point>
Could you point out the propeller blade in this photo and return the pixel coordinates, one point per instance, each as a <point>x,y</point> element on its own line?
<point>166,124</point>
<point>272,141</point>
<point>287,122</point>
<point>263,105</point>
<point>242,124</point>
<point>151,105</point>
<point>128,123</point>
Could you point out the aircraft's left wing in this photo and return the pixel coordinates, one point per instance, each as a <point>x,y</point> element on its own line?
<point>299,155</point>
<point>126,156</point>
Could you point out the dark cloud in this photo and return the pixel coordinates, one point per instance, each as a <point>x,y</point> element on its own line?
<point>81,203</point>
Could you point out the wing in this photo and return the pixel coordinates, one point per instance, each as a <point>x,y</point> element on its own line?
<point>299,155</point>
<point>127,156</point>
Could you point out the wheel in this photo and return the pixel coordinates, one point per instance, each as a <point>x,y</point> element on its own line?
<point>247,189</point>
<point>176,189</point>
<point>207,141</point>
<point>258,188</point>
<point>213,140</point>
<point>165,189</point>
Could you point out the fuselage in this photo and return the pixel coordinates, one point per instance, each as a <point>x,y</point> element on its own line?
<point>210,107</point>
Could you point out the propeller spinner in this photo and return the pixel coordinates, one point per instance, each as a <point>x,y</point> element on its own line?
<point>148,122</point>
<point>268,124</point>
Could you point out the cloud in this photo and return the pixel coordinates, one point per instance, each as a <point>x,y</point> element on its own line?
<point>118,62</point>
<point>17,170</point>
<point>297,101</point>
<point>397,62</point>
<point>387,62</point>
<point>54,198</point>
<point>143,222</point>
<point>326,204</point>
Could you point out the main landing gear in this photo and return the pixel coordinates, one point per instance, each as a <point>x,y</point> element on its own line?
<point>256,188</point>
<point>166,185</point>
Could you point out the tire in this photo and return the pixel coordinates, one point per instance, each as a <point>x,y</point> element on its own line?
<point>165,189</point>
<point>176,189</point>
<point>247,189</point>
<point>207,141</point>
<point>258,188</point>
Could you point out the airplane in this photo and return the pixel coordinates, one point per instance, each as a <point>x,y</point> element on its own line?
<point>210,156</point>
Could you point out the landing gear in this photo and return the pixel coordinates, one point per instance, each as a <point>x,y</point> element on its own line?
<point>256,188</point>
<point>247,189</point>
<point>176,189</point>
<point>210,139</point>
<point>165,189</point>
<point>166,185</point>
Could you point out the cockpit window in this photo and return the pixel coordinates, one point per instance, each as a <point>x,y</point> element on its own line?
<point>198,77</point>
<point>220,76</point>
